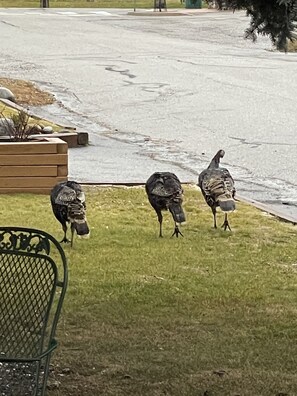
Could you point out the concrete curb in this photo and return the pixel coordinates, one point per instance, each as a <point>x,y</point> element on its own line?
<point>239,198</point>
<point>176,12</point>
<point>268,209</point>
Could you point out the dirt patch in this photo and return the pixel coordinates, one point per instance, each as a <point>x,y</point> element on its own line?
<point>27,93</point>
<point>292,46</point>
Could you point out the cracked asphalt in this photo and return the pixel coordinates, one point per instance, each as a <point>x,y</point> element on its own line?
<point>163,93</point>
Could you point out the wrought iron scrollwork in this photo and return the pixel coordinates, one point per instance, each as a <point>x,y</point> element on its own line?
<point>24,241</point>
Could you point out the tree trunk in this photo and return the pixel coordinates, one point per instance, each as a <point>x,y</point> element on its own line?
<point>44,3</point>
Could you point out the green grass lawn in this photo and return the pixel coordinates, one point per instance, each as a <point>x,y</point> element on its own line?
<point>212,313</point>
<point>89,4</point>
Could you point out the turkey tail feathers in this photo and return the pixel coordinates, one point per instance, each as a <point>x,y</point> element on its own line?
<point>226,205</point>
<point>77,216</point>
<point>177,212</point>
<point>81,227</point>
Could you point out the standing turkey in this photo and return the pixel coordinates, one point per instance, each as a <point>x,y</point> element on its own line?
<point>217,187</point>
<point>69,205</point>
<point>164,192</point>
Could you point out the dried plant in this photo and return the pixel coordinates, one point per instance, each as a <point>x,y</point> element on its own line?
<point>18,127</point>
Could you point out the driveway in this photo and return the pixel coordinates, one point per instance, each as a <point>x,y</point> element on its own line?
<point>163,93</point>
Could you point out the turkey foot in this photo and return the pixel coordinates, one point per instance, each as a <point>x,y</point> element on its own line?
<point>176,232</point>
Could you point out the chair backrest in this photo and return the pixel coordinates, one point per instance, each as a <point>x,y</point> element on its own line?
<point>33,281</point>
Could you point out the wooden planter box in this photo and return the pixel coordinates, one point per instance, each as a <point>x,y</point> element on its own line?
<point>33,167</point>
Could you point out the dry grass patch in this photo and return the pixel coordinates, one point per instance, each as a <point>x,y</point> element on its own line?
<point>26,93</point>
<point>212,313</point>
<point>292,46</point>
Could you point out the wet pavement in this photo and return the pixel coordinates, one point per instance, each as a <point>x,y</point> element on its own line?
<point>163,94</point>
<point>109,160</point>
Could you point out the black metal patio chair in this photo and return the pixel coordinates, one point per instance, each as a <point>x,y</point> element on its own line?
<point>33,281</point>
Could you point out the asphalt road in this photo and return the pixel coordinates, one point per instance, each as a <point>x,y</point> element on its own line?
<point>163,93</point>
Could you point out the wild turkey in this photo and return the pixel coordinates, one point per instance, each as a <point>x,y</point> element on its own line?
<point>69,205</point>
<point>217,187</point>
<point>164,192</point>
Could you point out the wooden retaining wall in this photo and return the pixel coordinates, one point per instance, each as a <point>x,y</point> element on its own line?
<point>33,167</point>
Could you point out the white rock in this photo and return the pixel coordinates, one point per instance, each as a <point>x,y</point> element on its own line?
<point>5,93</point>
<point>6,124</point>
<point>47,129</point>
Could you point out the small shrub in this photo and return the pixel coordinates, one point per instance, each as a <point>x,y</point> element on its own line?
<point>17,127</point>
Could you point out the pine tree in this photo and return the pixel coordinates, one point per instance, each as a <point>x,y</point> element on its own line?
<point>273,18</point>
